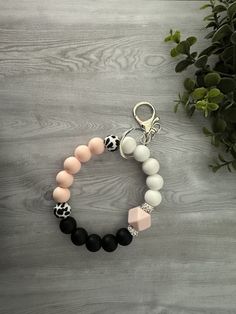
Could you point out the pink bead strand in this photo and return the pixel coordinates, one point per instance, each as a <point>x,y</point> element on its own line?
<point>61,195</point>
<point>96,146</point>
<point>83,153</point>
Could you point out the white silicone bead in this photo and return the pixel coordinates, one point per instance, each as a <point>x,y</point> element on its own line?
<point>150,166</point>
<point>155,182</point>
<point>141,153</point>
<point>128,145</point>
<point>153,198</point>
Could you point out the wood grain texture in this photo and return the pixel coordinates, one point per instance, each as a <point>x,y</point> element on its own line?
<point>73,69</point>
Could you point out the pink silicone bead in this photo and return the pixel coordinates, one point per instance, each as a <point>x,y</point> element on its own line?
<point>64,179</point>
<point>61,195</point>
<point>72,165</point>
<point>82,153</point>
<point>96,145</point>
<point>139,219</point>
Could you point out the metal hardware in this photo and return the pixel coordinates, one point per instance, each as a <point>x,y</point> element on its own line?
<point>150,126</point>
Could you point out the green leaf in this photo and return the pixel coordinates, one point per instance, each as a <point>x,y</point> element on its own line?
<point>191,40</point>
<point>214,92</point>
<point>185,98</point>
<point>211,24</point>
<point>218,99</point>
<point>212,106</point>
<point>230,115</point>
<point>219,125</point>
<point>234,164</point>
<point>174,53</point>
<point>227,85</point>
<point>210,35</point>
<point>183,47</point>
<point>227,54</point>
<point>199,93</point>
<point>208,51</point>
<point>176,37</point>
<point>201,61</point>
<point>168,38</point>
<point>201,105</point>
<point>182,65</point>
<point>176,107</point>
<point>209,17</point>
<point>206,131</point>
<point>215,141</point>
<point>221,158</point>
<point>205,6</point>
<point>212,79</point>
<point>219,8</point>
<point>231,10</point>
<point>193,54</point>
<point>221,33</point>
<point>233,38</point>
<point>189,84</point>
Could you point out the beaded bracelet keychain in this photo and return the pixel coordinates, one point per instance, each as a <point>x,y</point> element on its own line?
<point>139,218</point>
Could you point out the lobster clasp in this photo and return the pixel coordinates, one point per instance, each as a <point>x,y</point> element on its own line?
<point>149,126</point>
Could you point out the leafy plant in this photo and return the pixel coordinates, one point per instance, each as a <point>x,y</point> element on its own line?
<point>212,89</point>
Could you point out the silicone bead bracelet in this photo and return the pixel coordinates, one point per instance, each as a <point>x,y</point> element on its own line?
<point>139,217</point>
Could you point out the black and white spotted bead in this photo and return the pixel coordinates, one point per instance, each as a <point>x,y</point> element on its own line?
<point>112,142</point>
<point>62,210</point>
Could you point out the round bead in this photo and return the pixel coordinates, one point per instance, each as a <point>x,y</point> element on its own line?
<point>124,237</point>
<point>96,145</point>
<point>109,243</point>
<point>153,198</point>
<point>61,195</point>
<point>150,166</point>
<point>62,210</point>
<point>82,153</point>
<point>72,165</point>
<point>112,142</point>
<point>155,182</point>
<point>79,236</point>
<point>64,179</point>
<point>141,153</point>
<point>93,243</point>
<point>128,145</point>
<point>68,225</point>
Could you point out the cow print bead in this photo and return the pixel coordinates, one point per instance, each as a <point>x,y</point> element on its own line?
<point>112,143</point>
<point>62,210</point>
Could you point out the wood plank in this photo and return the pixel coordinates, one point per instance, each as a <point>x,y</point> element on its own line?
<point>71,70</point>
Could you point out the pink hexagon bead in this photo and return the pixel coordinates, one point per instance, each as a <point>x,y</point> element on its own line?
<point>64,179</point>
<point>61,195</point>
<point>82,153</point>
<point>72,165</point>
<point>139,219</point>
<point>96,145</point>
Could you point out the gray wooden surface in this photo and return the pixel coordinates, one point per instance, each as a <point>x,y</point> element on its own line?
<point>73,69</point>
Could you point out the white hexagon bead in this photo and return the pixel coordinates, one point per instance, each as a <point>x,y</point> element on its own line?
<point>128,145</point>
<point>153,198</point>
<point>150,166</point>
<point>141,153</point>
<point>155,182</point>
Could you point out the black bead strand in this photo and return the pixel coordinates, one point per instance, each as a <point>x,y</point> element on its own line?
<point>93,243</point>
<point>124,237</point>
<point>109,243</point>
<point>79,236</point>
<point>68,225</point>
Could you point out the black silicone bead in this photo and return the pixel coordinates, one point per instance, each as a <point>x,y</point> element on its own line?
<point>79,236</point>
<point>109,243</point>
<point>124,237</point>
<point>68,225</point>
<point>93,243</point>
